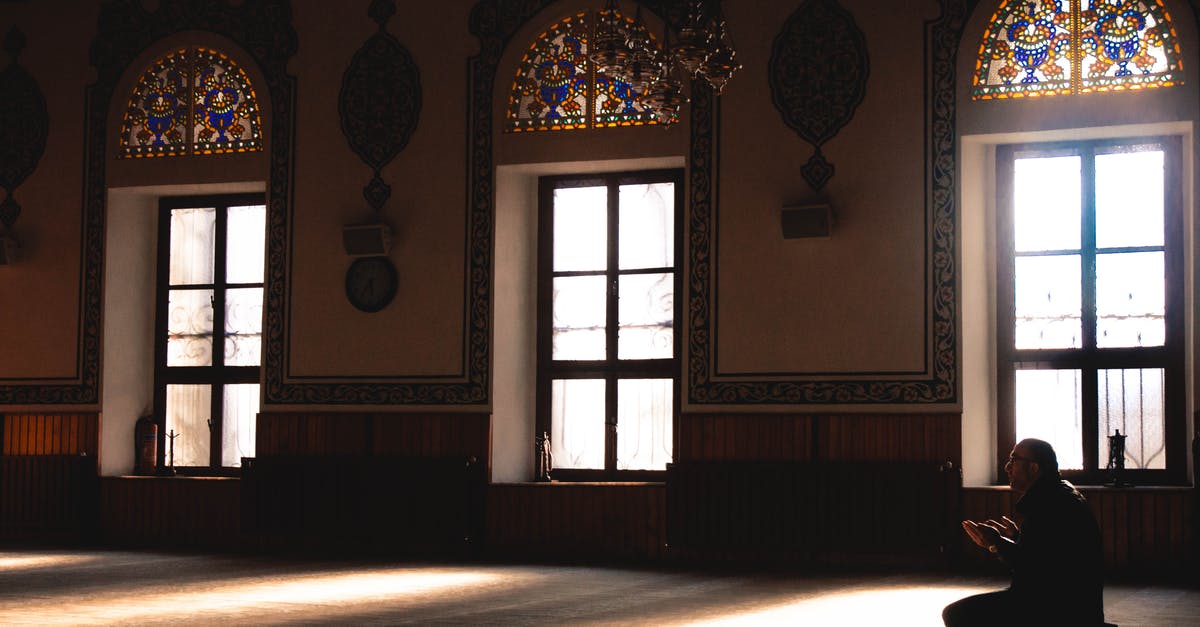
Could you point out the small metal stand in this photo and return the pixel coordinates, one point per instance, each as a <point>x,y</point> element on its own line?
<point>543,457</point>
<point>1116,460</point>
<point>170,469</point>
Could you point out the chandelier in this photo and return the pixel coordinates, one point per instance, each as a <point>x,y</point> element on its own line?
<point>623,49</point>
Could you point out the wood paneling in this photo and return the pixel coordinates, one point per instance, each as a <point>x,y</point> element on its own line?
<point>576,521</point>
<point>796,437</point>
<point>393,433</point>
<point>176,512</point>
<point>48,497</point>
<point>815,511</point>
<point>1143,531</point>
<point>51,434</point>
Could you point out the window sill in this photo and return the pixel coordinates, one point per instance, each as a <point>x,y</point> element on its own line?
<point>1096,488</point>
<point>174,478</point>
<point>604,484</point>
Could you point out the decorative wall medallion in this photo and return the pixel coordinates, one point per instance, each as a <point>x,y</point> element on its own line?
<point>380,101</point>
<point>818,75</point>
<point>24,125</point>
<point>937,381</point>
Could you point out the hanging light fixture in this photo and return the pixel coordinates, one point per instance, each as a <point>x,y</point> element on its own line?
<point>624,50</point>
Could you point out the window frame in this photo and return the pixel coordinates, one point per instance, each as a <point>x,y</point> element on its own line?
<point>611,369</point>
<point>1089,359</point>
<point>216,375</point>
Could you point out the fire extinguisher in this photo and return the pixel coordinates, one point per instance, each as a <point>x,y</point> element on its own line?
<point>145,446</point>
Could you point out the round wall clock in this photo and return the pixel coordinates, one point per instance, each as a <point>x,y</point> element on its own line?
<point>371,283</point>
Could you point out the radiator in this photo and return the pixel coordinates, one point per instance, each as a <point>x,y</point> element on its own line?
<point>403,505</point>
<point>814,507</point>
<point>48,497</point>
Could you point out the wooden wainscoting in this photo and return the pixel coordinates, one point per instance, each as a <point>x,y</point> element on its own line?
<point>402,434</point>
<point>599,522</point>
<point>48,498</point>
<point>829,437</point>
<point>51,434</point>
<point>1144,531</point>
<point>193,513</point>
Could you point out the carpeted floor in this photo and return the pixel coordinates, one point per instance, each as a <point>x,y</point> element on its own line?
<point>136,588</point>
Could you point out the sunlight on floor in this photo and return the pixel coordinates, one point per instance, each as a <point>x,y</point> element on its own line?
<point>311,595</point>
<point>893,606</point>
<point>19,562</point>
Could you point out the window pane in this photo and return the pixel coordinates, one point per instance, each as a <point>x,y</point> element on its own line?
<point>647,226</point>
<point>226,110</point>
<point>189,328</point>
<point>1046,204</point>
<point>1048,407</point>
<point>189,408</point>
<point>1129,199</point>
<point>579,315</point>
<point>577,423</point>
<point>193,232</point>
<point>646,312</point>
<point>246,247</point>
<point>1131,401</point>
<point>243,326</point>
<point>580,228</point>
<point>644,410</point>
<point>1048,302</point>
<point>238,423</point>
<point>1130,300</point>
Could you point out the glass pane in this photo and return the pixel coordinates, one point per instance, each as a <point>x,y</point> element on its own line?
<point>1130,300</point>
<point>1025,51</point>
<point>189,408</point>
<point>1048,407</point>
<point>1046,204</point>
<point>246,248</point>
<point>577,423</point>
<point>619,104</point>
<point>579,315</point>
<point>550,91</point>
<point>238,423</point>
<point>1134,46</point>
<point>580,228</point>
<point>189,328</point>
<point>156,117</point>
<point>1129,199</point>
<point>226,115</point>
<point>647,226</point>
<point>193,233</point>
<point>644,423</point>
<point>646,316</point>
<point>1048,302</point>
<point>1131,401</point>
<point>243,326</point>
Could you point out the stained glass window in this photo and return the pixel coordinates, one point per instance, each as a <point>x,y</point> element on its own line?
<point>557,88</point>
<point>1050,47</point>
<point>191,101</point>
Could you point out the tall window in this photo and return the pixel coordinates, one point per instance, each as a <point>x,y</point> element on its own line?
<point>1049,47</point>
<point>191,101</point>
<point>1090,292</point>
<point>557,88</point>
<point>608,353</point>
<point>209,332</point>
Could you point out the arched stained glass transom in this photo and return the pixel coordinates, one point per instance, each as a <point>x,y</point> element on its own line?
<point>191,101</point>
<point>557,87</point>
<point>1051,47</point>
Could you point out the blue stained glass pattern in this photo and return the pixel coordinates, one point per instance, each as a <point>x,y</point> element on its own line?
<point>557,88</point>
<point>191,101</point>
<point>1049,47</point>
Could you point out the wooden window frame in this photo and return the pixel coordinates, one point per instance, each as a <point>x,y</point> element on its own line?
<point>1089,359</point>
<point>217,375</point>
<point>610,369</point>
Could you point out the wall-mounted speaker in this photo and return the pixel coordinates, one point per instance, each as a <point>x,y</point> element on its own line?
<point>806,221</point>
<point>366,240</point>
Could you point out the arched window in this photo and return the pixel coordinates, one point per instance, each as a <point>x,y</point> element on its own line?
<point>557,88</point>
<point>1051,47</point>
<point>191,101</point>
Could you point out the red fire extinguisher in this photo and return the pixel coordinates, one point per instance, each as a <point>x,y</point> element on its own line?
<point>145,446</point>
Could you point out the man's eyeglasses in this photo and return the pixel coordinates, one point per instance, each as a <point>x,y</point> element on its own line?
<point>1022,458</point>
